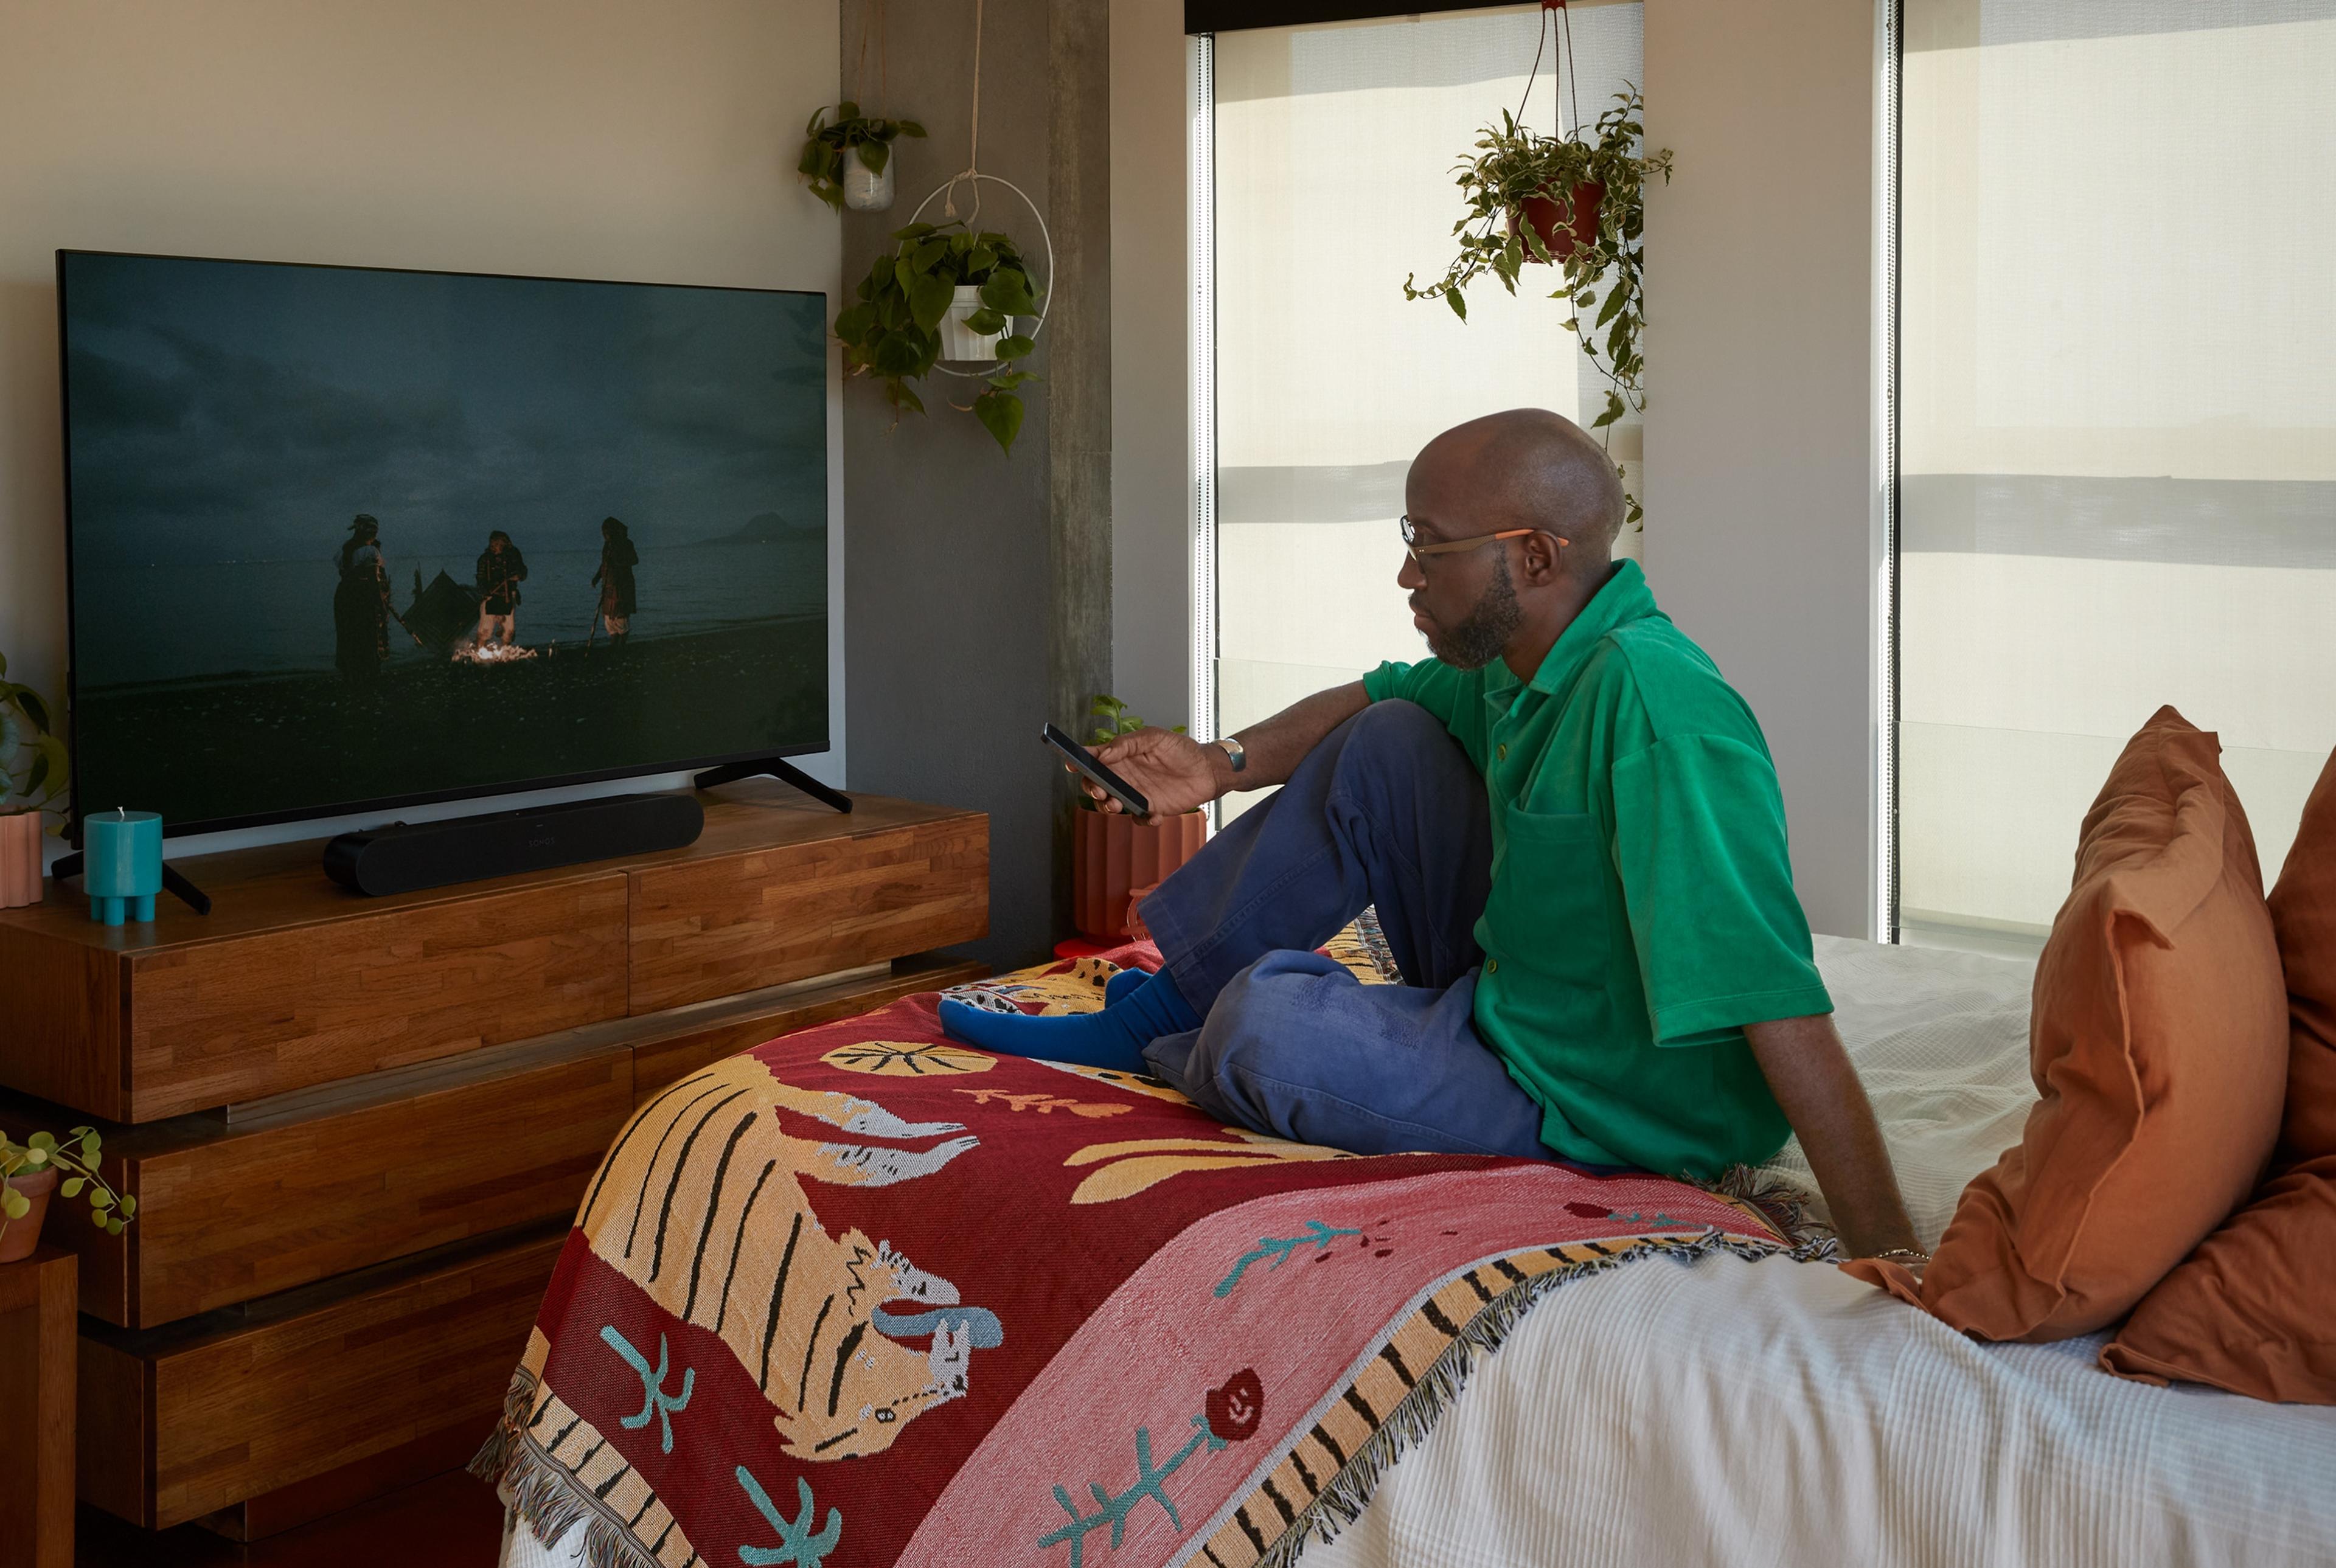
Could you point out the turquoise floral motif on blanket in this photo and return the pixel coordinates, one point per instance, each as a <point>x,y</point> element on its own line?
<point>1230,1414</point>
<point>796,1544</point>
<point>1279,1249</point>
<point>655,1400</point>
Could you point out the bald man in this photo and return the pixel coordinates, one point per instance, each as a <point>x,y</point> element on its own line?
<point>1572,832</point>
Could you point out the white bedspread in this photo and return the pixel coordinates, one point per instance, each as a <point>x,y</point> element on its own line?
<point>1779,1413</point>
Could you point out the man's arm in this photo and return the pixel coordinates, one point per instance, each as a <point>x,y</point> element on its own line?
<point>1809,1073</point>
<point>1177,774</point>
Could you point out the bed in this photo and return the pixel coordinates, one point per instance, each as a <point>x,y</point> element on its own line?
<point>1705,1387</point>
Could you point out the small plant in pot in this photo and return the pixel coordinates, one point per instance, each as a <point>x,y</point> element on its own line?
<point>34,769</point>
<point>1575,203</point>
<point>849,162</point>
<point>41,1167</point>
<point>1115,858</point>
<point>944,292</point>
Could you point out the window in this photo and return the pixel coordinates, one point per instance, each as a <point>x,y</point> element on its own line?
<point>1332,150</point>
<point>2117,475</point>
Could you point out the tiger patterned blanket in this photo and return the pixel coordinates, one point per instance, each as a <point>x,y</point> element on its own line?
<point>866,1296</point>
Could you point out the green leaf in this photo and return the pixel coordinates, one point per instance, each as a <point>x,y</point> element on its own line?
<point>874,155</point>
<point>853,323</point>
<point>845,111</point>
<point>985,320</point>
<point>910,127</point>
<point>1612,413</point>
<point>1008,290</point>
<point>980,260</point>
<point>1000,414</point>
<point>42,1141</point>
<point>1016,347</point>
<point>99,1198</point>
<point>97,1218</point>
<point>929,301</point>
<point>904,273</point>
<point>1614,302</point>
<point>129,1205</point>
<point>36,1159</point>
<point>35,708</point>
<point>71,1185</point>
<point>90,1144</point>
<point>14,1204</point>
<point>902,395</point>
<point>1008,380</point>
<point>1459,308</point>
<point>114,1227</point>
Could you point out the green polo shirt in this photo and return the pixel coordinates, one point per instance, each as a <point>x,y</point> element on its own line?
<point>1642,908</point>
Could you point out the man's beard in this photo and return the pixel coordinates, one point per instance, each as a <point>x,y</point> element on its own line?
<point>1478,640</point>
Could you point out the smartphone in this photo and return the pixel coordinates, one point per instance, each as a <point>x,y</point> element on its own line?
<point>1118,788</point>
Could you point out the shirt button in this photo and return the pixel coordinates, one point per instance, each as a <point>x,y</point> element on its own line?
<point>1493,967</point>
<point>1504,754</point>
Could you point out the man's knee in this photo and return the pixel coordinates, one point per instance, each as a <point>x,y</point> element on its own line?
<point>1401,746</point>
<point>1263,1026</point>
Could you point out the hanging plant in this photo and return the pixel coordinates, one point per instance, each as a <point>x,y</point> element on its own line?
<point>830,150</point>
<point>1575,203</point>
<point>944,281</point>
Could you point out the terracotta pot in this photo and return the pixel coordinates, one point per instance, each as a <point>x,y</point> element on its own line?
<point>1549,220</point>
<point>20,860</point>
<point>1114,856</point>
<point>23,1235</point>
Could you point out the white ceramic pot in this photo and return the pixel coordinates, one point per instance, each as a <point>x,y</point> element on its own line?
<point>20,860</point>
<point>959,341</point>
<point>864,188</point>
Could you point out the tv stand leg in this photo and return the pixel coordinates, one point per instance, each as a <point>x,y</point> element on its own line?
<point>173,883</point>
<point>778,768</point>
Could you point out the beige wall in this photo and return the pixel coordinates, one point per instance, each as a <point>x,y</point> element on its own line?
<point>1761,478</point>
<point>615,139</point>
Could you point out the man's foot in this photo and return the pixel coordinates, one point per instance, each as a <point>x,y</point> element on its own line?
<point>1121,984</point>
<point>1114,1038</point>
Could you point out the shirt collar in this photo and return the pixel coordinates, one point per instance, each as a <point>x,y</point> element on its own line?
<point>1625,598</point>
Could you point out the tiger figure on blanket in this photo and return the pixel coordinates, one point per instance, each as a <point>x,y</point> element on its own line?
<point>701,1203</point>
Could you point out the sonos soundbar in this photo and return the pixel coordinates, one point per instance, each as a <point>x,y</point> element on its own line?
<point>406,857</point>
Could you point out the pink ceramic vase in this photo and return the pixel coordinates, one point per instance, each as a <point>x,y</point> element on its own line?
<point>20,860</point>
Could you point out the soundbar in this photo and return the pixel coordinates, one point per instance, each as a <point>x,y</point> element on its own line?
<point>406,857</point>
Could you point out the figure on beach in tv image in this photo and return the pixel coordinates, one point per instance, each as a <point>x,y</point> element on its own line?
<point>502,568</point>
<point>360,604</point>
<point>235,657</point>
<point>614,578</point>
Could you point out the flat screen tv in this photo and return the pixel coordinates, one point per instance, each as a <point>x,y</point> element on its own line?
<point>344,538</point>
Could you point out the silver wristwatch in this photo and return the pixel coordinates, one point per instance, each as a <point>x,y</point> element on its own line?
<point>1233,748</point>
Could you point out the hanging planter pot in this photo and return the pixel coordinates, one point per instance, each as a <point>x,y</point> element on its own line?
<point>866,188</point>
<point>1560,227</point>
<point>960,341</point>
<point>849,163</point>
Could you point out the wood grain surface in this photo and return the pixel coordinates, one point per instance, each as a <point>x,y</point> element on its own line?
<point>248,1400</point>
<point>36,1394</point>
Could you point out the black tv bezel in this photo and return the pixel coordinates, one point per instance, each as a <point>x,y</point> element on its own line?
<point>75,816</point>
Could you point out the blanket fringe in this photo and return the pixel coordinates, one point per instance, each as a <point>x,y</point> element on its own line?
<point>542,1495</point>
<point>1341,1503</point>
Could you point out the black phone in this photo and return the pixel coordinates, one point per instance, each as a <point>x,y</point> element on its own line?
<point>1118,788</point>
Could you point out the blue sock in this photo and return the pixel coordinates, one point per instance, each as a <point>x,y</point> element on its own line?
<point>1113,1038</point>
<point>1121,983</point>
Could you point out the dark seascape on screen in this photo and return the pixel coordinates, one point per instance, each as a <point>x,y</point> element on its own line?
<point>245,646</point>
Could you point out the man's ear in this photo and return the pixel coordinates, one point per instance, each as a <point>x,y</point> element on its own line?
<point>1544,559</point>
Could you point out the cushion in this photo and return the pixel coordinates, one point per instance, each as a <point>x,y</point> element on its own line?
<point>2158,1045</point>
<point>2254,1310</point>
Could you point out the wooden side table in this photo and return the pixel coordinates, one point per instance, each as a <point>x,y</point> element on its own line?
<point>40,1304</point>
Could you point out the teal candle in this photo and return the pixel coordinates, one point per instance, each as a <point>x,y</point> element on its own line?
<point>123,865</point>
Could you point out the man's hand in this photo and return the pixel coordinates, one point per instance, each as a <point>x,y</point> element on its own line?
<point>1175,772</point>
<point>1810,1075</point>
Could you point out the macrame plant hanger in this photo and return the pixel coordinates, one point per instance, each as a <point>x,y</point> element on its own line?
<point>972,177</point>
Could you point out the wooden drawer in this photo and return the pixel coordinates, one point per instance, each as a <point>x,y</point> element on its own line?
<point>231,1212</point>
<point>724,923</point>
<point>181,1421</point>
<point>187,1013</point>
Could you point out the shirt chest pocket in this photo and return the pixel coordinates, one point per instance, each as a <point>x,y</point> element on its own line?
<point>1547,915</point>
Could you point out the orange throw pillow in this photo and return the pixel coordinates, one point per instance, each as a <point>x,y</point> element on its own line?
<point>2159,1041</point>
<point>2254,1309</point>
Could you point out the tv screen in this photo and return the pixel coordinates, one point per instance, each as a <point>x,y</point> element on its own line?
<point>348,538</point>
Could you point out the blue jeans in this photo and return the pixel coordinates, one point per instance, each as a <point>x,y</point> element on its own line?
<point>1386,812</point>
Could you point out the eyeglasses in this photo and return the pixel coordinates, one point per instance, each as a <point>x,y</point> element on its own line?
<point>1419,552</point>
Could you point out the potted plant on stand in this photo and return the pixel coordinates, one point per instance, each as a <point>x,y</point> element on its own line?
<point>944,291</point>
<point>849,162</point>
<point>1116,859</point>
<point>1575,203</point>
<point>34,769</point>
<point>40,1166</point>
